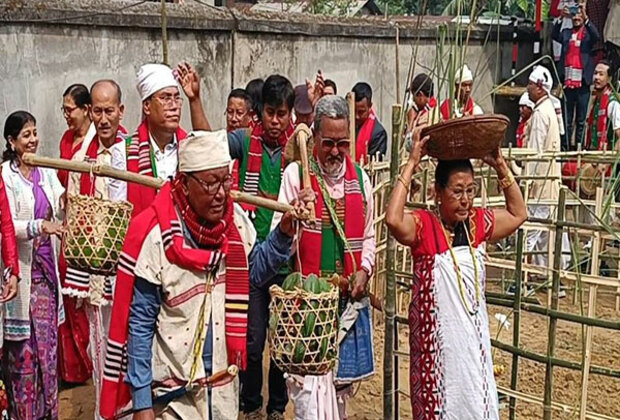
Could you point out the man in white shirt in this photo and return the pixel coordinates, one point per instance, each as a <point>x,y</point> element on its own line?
<point>152,150</point>
<point>543,135</point>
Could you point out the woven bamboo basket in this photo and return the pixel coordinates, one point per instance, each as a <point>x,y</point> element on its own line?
<point>95,233</point>
<point>297,344</point>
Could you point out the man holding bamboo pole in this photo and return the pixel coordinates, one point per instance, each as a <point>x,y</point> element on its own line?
<point>259,153</point>
<point>342,241</point>
<point>107,147</point>
<point>180,316</point>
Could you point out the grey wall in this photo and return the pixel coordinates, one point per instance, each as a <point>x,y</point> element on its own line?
<point>48,45</point>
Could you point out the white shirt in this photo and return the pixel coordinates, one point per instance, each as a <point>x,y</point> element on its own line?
<point>613,114</point>
<point>166,162</point>
<point>117,189</point>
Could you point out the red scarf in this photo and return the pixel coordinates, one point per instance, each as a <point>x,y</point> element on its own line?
<point>601,120</point>
<point>447,108</point>
<point>521,132</point>
<point>139,161</point>
<point>354,224</point>
<point>573,70</point>
<point>255,159</point>
<point>364,137</point>
<point>226,241</point>
<point>87,183</point>
<point>67,150</point>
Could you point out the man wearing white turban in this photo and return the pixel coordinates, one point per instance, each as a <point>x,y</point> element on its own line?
<point>463,103</point>
<point>543,135</point>
<point>152,149</point>
<point>180,313</point>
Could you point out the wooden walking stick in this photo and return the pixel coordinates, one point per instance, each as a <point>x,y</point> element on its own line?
<point>107,171</point>
<point>297,150</point>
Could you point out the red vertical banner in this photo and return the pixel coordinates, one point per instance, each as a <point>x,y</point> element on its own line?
<point>538,15</point>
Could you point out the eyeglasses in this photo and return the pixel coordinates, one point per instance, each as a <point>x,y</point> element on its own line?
<point>68,110</point>
<point>458,193</point>
<point>329,144</point>
<point>211,188</point>
<point>169,100</point>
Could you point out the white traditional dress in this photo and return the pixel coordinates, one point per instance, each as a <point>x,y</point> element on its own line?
<point>451,369</point>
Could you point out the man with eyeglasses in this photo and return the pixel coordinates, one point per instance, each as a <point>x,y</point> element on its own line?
<point>258,151</point>
<point>344,205</point>
<point>152,149</point>
<point>180,313</point>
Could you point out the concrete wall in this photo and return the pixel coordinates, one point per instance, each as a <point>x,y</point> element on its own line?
<point>48,45</point>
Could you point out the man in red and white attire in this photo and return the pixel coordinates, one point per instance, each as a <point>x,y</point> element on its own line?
<point>463,103</point>
<point>107,147</point>
<point>576,70</point>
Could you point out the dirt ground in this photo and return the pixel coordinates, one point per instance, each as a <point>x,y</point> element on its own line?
<point>77,403</point>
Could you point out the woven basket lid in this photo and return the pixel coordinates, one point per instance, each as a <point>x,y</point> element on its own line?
<point>471,137</point>
<point>590,180</point>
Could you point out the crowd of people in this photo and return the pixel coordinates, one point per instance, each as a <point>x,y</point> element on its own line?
<point>191,295</point>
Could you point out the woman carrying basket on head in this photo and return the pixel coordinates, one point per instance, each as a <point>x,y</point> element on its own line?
<point>451,368</point>
<point>31,319</point>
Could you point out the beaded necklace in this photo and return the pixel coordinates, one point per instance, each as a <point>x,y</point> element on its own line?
<point>457,269</point>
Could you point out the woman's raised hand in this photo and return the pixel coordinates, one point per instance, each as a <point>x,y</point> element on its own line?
<point>419,147</point>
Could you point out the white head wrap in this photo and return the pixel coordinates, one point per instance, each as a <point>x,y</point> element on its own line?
<point>541,75</point>
<point>204,150</point>
<point>526,101</point>
<point>463,75</point>
<point>154,77</point>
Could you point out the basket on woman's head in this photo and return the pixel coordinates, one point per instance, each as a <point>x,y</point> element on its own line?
<point>471,137</point>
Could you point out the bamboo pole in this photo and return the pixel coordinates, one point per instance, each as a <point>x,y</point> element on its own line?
<point>147,181</point>
<point>352,136</point>
<point>390,289</point>
<point>594,270</point>
<point>514,374</point>
<point>164,32</point>
<point>557,259</point>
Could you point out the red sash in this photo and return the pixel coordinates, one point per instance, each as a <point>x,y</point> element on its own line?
<point>364,137</point>
<point>139,161</point>
<point>447,108</point>
<point>601,120</point>
<point>354,223</point>
<point>573,71</point>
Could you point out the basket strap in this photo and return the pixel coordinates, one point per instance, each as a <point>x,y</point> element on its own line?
<point>201,331</point>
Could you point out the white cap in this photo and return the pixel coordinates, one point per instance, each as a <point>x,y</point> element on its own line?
<point>153,77</point>
<point>463,74</point>
<point>542,76</point>
<point>204,150</point>
<point>526,101</point>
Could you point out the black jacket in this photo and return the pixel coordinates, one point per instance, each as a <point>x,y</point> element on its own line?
<point>590,38</point>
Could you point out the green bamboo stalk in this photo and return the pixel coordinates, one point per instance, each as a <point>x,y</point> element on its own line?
<point>164,32</point>
<point>541,358</point>
<point>557,259</point>
<point>516,320</point>
<point>390,286</point>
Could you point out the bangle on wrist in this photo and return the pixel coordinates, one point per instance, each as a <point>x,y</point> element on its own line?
<point>506,181</point>
<point>406,184</point>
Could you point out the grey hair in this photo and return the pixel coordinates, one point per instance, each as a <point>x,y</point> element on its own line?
<point>330,106</point>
